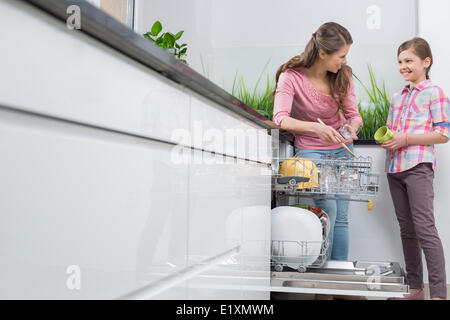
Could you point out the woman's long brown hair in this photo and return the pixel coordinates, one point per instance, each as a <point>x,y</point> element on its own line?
<point>330,37</point>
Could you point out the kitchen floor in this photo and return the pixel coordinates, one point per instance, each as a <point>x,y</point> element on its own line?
<point>298,296</point>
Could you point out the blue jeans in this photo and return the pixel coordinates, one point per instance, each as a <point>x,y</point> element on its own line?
<point>337,210</point>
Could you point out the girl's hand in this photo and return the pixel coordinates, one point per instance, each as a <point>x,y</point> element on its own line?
<point>328,134</point>
<point>397,142</point>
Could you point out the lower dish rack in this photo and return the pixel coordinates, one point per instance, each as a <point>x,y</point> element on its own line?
<point>303,261</point>
<point>306,253</point>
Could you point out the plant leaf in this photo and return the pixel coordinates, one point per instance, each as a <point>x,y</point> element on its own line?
<point>159,41</point>
<point>148,36</point>
<point>178,35</point>
<point>156,28</point>
<point>375,111</point>
<point>169,39</point>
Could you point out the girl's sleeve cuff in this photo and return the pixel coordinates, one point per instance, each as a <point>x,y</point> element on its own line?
<point>442,128</point>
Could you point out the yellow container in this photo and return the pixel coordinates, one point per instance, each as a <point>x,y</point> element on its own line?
<point>300,167</point>
<point>383,134</point>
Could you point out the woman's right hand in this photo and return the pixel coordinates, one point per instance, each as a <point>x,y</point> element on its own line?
<point>328,134</point>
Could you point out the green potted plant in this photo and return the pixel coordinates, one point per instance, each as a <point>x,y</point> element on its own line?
<point>260,100</point>
<point>375,111</point>
<point>167,41</point>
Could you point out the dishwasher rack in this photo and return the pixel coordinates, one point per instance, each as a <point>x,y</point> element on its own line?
<point>279,261</point>
<point>327,178</point>
<point>306,251</point>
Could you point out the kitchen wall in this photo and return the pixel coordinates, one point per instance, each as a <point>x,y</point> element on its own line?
<point>107,187</point>
<point>229,37</point>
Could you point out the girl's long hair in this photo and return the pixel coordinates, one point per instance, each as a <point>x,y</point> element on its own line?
<point>421,48</point>
<point>330,37</point>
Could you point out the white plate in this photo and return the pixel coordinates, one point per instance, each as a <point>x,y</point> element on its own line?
<point>298,236</point>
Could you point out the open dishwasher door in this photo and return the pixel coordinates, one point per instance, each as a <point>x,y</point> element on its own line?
<point>358,278</point>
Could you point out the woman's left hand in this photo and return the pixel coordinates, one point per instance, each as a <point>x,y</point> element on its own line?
<point>397,142</point>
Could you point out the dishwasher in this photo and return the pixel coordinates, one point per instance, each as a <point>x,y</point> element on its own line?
<point>328,178</point>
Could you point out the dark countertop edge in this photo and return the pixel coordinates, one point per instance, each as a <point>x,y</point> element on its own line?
<point>111,32</point>
<point>364,143</point>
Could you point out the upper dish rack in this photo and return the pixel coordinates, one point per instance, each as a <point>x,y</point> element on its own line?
<point>326,178</point>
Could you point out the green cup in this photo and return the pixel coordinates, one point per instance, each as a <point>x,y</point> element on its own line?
<point>383,134</point>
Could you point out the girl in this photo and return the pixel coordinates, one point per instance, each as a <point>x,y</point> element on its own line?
<point>419,117</point>
<point>317,84</point>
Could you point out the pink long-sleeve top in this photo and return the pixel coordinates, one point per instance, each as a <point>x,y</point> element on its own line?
<point>297,95</point>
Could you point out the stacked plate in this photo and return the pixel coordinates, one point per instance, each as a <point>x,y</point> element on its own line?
<point>297,236</point>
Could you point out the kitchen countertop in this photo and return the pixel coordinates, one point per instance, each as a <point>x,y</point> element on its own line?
<point>111,32</point>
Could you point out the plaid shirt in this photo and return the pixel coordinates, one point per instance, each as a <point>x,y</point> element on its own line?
<point>420,110</point>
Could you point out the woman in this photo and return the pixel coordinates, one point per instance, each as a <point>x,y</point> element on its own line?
<point>317,84</point>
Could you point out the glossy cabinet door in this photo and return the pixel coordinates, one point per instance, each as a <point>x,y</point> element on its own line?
<point>256,231</point>
<point>214,199</point>
<point>229,207</point>
<point>95,200</point>
<point>83,204</point>
<point>69,75</point>
<point>216,129</point>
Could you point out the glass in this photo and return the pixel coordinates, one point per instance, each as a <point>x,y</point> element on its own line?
<point>327,178</point>
<point>327,174</point>
<point>349,178</point>
<point>345,131</point>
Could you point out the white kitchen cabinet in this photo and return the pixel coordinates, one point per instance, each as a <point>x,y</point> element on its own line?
<point>67,74</point>
<point>216,129</point>
<point>90,182</point>
<point>73,195</point>
<point>229,206</point>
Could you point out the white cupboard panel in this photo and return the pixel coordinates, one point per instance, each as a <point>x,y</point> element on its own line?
<point>216,129</point>
<point>113,205</point>
<point>229,205</point>
<point>68,74</point>
<point>214,198</point>
<point>214,221</point>
<point>254,257</point>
